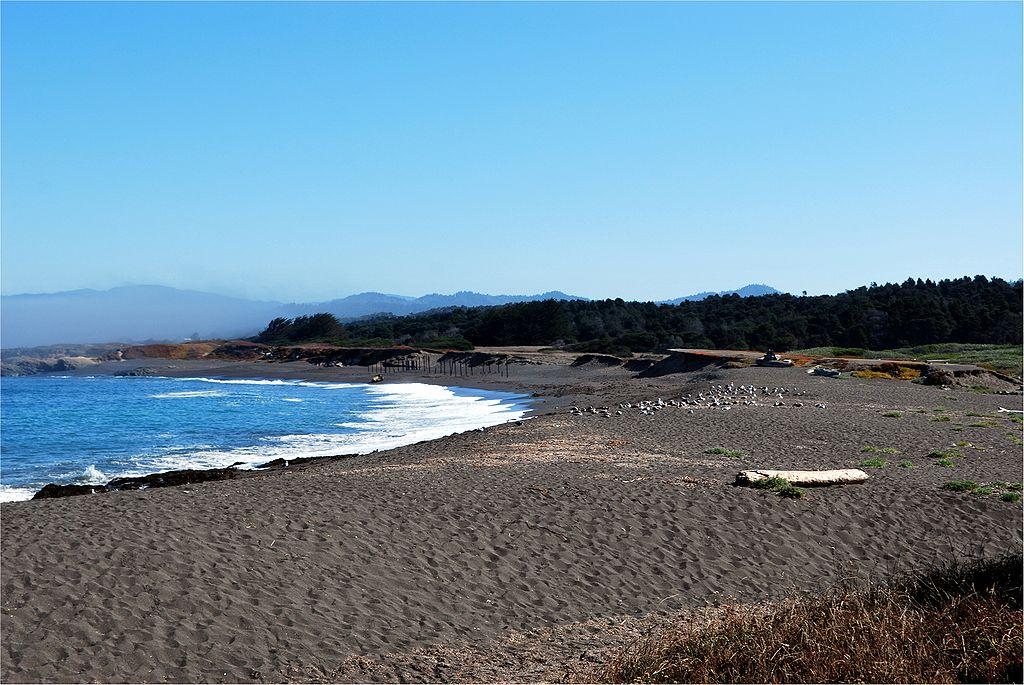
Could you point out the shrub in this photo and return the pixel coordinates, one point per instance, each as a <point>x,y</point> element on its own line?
<point>791,492</point>
<point>1010,497</point>
<point>941,418</point>
<point>958,623</point>
<point>724,452</point>
<point>945,463</point>
<point>982,492</point>
<point>873,463</point>
<point>770,483</point>
<point>906,464</point>
<point>893,414</point>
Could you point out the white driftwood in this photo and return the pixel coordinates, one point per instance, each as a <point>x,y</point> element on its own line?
<point>1003,410</point>
<point>809,478</point>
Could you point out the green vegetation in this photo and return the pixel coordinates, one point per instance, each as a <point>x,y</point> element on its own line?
<point>873,463</point>
<point>724,452</point>
<point>1003,358</point>
<point>975,312</point>
<point>958,623</point>
<point>780,486</point>
<point>944,463</point>
<point>906,464</point>
<point>883,450</point>
<point>770,484</point>
<point>960,485</point>
<point>982,424</point>
<point>941,418</point>
<point>940,454</point>
<point>893,414</point>
<point>791,492</point>
<point>1008,492</point>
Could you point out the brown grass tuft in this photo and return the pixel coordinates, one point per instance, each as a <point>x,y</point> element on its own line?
<point>960,623</point>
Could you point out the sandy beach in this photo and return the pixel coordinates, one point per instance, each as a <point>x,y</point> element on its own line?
<point>527,551</point>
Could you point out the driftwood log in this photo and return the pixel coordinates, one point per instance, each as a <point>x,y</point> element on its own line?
<point>808,478</point>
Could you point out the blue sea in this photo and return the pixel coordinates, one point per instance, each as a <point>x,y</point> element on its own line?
<point>61,429</point>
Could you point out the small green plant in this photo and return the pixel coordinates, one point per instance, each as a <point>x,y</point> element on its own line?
<point>1013,486</point>
<point>944,463</point>
<point>868,448</point>
<point>980,388</point>
<point>982,492</point>
<point>1017,419</point>
<point>982,424</point>
<point>960,486</point>
<point>772,483</point>
<point>940,454</point>
<point>939,410</point>
<point>1015,439</point>
<point>906,464</point>
<point>791,492</point>
<point>893,414</point>
<point>1010,497</point>
<point>873,463</point>
<point>889,450</point>
<point>941,419</point>
<point>724,452</point>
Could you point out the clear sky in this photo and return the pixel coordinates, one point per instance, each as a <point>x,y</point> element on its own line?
<point>306,151</point>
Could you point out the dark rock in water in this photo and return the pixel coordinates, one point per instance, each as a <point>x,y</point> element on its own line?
<point>56,490</point>
<point>280,463</point>
<point>153,480</point>
<point>169,478</point>
<point>141,371</point>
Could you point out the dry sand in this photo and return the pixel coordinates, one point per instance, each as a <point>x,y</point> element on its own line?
<point>521,552</point>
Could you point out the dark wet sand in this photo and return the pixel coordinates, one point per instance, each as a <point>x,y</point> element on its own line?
<point>521,552</point>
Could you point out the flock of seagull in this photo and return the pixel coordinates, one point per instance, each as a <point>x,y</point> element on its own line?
<point>722,397</point>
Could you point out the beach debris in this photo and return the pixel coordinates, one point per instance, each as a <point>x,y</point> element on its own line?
<point>1004,410</point>
<point>770,358</point>
<point>807,478</point>
<point>825,371</point>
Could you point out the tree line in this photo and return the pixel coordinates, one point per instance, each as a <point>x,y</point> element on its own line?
<point>915,312</point>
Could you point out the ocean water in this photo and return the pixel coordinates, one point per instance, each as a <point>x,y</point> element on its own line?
<point>60,429</point>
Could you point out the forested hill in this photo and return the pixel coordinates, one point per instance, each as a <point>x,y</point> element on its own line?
<point>965,310</point>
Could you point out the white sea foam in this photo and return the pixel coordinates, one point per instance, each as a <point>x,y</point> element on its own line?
<point>399,414</point>
<point>186,394</point>
<point>291,399</point>
<point>93,476</point>
<point>9,493</point>
<point>393,415</point>
<point>271,381</point>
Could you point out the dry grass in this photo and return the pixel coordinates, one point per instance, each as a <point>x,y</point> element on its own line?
<point>960,623</point>
<point>892,370</point>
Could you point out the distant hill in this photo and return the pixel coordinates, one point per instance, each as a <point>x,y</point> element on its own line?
<point>138,313</point>
<point>752,290</point>
<point>365,304</point>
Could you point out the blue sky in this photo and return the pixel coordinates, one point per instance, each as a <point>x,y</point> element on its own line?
<point>305,151</point>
